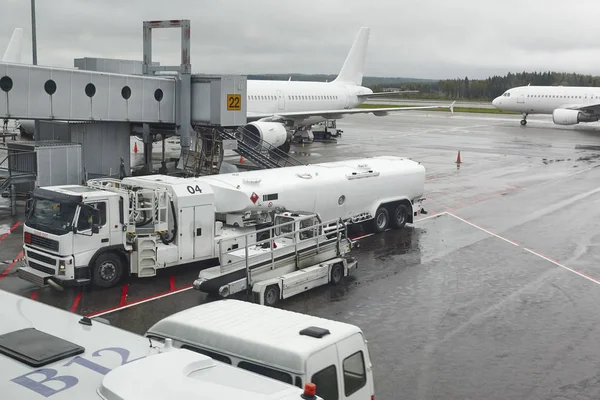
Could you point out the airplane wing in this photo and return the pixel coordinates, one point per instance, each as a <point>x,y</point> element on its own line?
<point>336,114</point>
<point>384,94</point>
<point>591,108</point>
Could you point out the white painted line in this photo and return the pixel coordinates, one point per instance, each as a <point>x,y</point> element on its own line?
<point>431,216</point>
<point>92,315</point>
<point>583,275</point>
<point>483,229</point>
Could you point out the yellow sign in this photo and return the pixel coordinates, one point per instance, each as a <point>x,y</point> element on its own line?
<point>234,102</point>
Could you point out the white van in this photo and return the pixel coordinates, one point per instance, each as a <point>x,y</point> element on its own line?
<point>48,353</point>
<point>291,347</point>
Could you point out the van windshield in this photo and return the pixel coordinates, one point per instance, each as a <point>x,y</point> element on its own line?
<point>51,216</point>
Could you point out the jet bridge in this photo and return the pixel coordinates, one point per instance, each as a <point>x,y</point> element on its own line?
<point>47,93</point>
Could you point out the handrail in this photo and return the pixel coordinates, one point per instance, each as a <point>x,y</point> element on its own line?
<point>321,236</point>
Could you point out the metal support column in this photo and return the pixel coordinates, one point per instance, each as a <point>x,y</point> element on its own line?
<point>33,33</point>
<point>13,200</point>
<point>184,126</point>
<point>147,148</point>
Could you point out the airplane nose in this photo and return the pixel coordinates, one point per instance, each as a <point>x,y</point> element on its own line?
<point>496,102</point>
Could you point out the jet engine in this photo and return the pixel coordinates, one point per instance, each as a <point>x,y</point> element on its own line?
<point>273,133</point>
<point>562,116</point>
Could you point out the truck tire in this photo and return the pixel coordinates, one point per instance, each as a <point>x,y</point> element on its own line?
<point>381,220</point>
<point>107,270</point>
<point>271,296</point>
<point>400,216</point>
<point>337,274</point>
<point>327,135</point>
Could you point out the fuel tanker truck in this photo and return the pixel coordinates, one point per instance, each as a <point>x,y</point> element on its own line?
<point>99,232</point>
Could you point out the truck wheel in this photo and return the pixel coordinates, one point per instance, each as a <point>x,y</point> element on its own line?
<point>108,270</point>
<point>400,216</point>
<point>271,296</point>
<point>327,135</point>
<point>380,222</point>
<point>337,273</point>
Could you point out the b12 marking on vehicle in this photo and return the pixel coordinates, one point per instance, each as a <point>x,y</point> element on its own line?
<point>68,381</point>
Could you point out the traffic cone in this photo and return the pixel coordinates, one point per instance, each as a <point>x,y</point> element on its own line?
<point>458,158</point>
<point>135,150</point>
<point>241,159</point>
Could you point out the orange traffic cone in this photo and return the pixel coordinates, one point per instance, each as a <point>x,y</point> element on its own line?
<point>241,159</point>
<point>458,158</point>
<point>135,147</point>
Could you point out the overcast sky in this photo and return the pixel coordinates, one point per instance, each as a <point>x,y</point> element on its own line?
<point>417,38</point>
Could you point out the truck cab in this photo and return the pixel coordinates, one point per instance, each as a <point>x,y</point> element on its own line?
<point>64,229</point>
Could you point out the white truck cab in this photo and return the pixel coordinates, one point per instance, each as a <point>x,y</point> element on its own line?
<point>48,353</point>
<point>288,346</point>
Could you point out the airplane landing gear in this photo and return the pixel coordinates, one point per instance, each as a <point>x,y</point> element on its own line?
<point>524,120</point>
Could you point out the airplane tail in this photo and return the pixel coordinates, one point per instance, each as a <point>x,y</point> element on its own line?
<point>13,51</point>
<point>352,71</point>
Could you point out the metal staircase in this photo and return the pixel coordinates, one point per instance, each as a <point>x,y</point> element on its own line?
<point>17,167</point>
<point>207,155</point>
<point>261,153</point>
<point>208,152</point>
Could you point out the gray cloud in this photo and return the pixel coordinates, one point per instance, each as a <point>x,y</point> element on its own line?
<point>423,39</point>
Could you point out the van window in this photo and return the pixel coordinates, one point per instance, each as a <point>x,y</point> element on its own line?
<point>213,355</point>
<point>299,382</point>
<point>326,382</point>
<point>354,373</point>
<point>271,373</point>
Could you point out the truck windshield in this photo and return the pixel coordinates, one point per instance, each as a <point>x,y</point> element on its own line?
<point>287,228</point>
<point>51,216</point>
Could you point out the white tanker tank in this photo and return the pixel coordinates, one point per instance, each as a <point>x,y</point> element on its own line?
<point>386,187</point>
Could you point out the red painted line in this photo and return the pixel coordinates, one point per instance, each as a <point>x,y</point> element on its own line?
<point>124,295</point>
<point>12,228</point>
<point>171,283</point>
<point>76,301</point>
<point>34,295</point>
<point>7,270</point>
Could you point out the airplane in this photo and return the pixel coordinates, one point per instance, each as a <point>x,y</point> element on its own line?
<point>277,109</point>
<point>568,105</point>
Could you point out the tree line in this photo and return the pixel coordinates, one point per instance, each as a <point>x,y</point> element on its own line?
<point>488,89</point>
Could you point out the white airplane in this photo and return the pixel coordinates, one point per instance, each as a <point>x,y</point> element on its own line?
<point>276,109</point>
<point>569,105</point>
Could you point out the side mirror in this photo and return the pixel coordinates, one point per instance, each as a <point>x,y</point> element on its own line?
<point>28,204</point>
<point>95,228</point>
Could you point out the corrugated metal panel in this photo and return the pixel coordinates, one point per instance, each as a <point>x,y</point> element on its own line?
<point>103,146</point>
<point>59,164</point>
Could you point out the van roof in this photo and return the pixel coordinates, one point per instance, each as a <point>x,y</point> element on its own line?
<point>47,352</point>
<point>264,334</point>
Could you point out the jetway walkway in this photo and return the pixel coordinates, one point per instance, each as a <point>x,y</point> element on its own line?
<point>47,93</point>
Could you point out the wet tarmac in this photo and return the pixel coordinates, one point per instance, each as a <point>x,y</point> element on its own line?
<point>489,296</point>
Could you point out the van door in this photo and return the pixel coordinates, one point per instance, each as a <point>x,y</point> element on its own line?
<point>356,370</point>
<point>322,370</point>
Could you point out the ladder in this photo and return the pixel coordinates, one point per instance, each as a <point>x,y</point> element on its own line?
<point>260,152</point>
<point>147,208</point>
<point>207,156</point>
